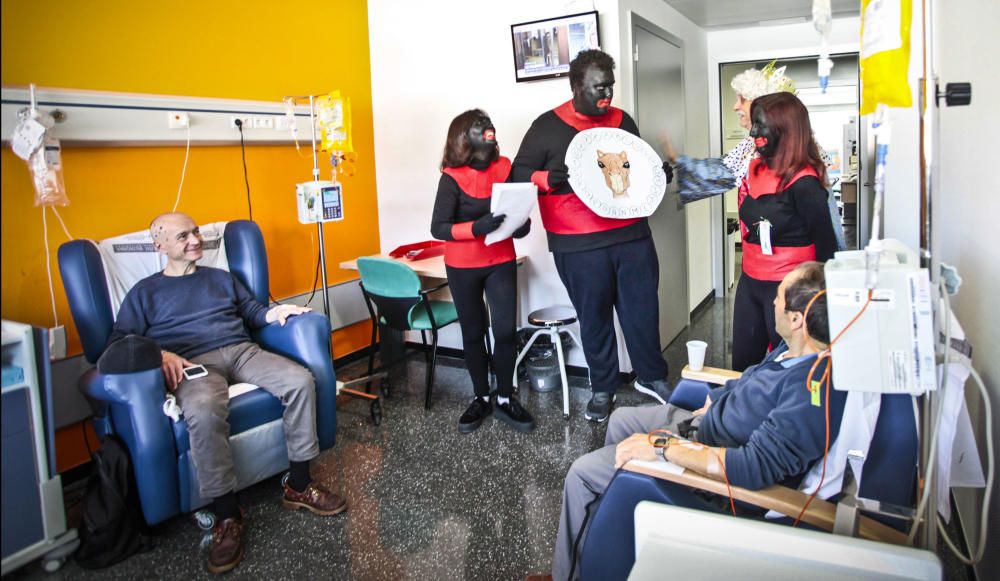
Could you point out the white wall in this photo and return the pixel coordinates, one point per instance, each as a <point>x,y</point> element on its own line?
<point>432,60</point>
<point>965,211</point>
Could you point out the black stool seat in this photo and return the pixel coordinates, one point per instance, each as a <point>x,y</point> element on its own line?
<point>552,317</point>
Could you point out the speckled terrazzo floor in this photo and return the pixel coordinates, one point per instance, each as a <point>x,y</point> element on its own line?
<point>425,502</point>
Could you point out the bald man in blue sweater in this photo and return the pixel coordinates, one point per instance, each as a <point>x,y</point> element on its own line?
<point>761,429</point>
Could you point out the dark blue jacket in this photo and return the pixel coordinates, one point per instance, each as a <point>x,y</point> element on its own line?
<point>192,314</point>
<point>768,422</point>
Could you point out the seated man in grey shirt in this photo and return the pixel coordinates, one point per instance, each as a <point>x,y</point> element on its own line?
<point>199,316</point>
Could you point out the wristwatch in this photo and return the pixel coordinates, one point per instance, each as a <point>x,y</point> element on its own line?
<point>660,446</point>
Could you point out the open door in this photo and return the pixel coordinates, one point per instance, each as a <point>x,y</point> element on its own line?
<point>659,90</point>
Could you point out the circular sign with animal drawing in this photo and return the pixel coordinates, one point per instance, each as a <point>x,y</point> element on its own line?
<point>617,174</point>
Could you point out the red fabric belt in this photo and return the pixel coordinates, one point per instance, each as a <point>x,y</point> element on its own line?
<point>475,253</point>
<point>567,214</point>
<point>774,267</point>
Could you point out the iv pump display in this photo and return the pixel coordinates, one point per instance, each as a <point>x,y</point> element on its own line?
<point>319,201</point>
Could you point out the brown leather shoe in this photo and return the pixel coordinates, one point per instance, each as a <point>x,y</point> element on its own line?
<point>545,577</point>
<point>227,546</point>
<point>316,499</point>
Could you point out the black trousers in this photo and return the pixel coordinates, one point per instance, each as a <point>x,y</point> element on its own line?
<point>499,282</point>
<point>753,321</point>
<point>621,278</point>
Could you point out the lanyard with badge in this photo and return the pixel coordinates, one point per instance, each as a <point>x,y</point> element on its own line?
<point>764,232</point>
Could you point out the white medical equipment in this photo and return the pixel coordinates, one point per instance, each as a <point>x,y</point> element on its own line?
<point>319,201</point>
<point>890,348</point>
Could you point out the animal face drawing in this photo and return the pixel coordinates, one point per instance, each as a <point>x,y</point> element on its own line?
<point>615,168</point>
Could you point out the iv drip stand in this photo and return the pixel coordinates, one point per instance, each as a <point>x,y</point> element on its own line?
<point>319,224</point>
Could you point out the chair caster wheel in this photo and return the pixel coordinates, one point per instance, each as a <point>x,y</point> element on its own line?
<point>53,565</point>
<point>376,411</point>
<point>204,519</point>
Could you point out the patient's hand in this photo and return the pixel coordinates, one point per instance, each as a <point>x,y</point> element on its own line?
<point>635,447</point>
<point>173,369</point>
<point>703,409</point>
<point>281,313</point>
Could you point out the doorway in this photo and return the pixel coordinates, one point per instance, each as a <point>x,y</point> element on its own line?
<point>659,106</point>
<point>834,119</point>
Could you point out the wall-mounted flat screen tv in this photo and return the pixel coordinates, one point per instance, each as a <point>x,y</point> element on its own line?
<point>543,49</point>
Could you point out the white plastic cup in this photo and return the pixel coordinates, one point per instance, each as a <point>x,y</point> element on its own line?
<point>696,354</point>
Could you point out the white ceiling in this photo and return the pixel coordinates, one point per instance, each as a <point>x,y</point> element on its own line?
<point>731,13</point>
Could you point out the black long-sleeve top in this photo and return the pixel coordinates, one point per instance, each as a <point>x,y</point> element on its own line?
<point>801,227</point>
<point>570,225</point>
<point>464,195</point>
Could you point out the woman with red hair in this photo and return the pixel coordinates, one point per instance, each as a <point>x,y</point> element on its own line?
<point>784,219</point>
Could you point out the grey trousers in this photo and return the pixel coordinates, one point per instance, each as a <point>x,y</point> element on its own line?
<point>205,402</point>
<point>590,474</point>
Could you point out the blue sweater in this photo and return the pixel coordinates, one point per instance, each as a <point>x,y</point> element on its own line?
<point>767,421</point>
<point>192,314</point>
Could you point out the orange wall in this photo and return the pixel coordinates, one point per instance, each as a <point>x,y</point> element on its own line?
<point>249,49</point>
<point>246,50</point>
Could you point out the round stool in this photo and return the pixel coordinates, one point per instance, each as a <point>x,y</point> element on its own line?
<point>550,319</point>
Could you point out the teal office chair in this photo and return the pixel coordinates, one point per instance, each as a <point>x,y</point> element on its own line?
<point>395,299</point>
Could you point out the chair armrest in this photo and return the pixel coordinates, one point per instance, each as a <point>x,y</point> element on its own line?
<point>305,339</point>
<point>787,501</point>
<point>135,405</point>
<point>712,375</point>
<point>689,394</point>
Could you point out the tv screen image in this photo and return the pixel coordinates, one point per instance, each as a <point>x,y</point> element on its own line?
<point>543,49</point>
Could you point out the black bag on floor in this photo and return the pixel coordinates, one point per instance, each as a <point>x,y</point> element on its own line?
<point>112,527</point>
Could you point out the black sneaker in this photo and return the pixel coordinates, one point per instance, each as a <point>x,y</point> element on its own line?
<point>474,415</point>
<point>513,414</point>
<point>657,389</point>
<point>599,407</point>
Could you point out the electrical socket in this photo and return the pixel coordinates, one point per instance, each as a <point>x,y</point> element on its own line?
<point>263,122</point>
<point>247,122</point>
<point>178,120</point>
<point>284,123</point>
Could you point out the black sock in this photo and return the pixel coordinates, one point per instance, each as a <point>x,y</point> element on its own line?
<point>226,506</point>
<point>298,475</point>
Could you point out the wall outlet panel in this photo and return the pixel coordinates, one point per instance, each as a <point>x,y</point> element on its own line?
<point>96,118</point>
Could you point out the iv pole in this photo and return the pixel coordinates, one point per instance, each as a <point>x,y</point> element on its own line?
<point>319,224</point>
<point>343,387</point>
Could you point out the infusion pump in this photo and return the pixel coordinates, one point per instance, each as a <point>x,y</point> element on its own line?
<point>889,348</point>
<point>319,201</point>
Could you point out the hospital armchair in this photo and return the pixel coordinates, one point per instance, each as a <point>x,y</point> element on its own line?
<point>130,405</point>
<point>890,471</point>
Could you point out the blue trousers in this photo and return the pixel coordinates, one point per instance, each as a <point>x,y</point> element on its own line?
<point>621,278</point>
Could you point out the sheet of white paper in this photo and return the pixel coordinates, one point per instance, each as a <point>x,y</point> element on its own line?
<point>516,201</point>
<point>659,466</point>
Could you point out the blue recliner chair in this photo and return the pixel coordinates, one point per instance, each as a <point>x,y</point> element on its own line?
<point>131,405</point>
<point>608,551</point>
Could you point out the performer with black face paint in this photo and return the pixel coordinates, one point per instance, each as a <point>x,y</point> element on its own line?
<point>784,219</point>
<point>606,264</point>
<point>462,217</point>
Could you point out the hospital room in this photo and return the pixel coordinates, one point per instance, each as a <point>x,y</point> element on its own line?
<point>528,290</point>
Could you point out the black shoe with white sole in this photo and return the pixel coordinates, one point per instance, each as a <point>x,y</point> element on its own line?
<point>657,389</point>
<point>514,415</point>
<point>599,407</point>
<point>478,410</point>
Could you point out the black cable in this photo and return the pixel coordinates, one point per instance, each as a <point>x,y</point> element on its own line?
<point>246,180</point>
<point>86,438</point>
<point>243,154</point>
<point>315,280</point>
